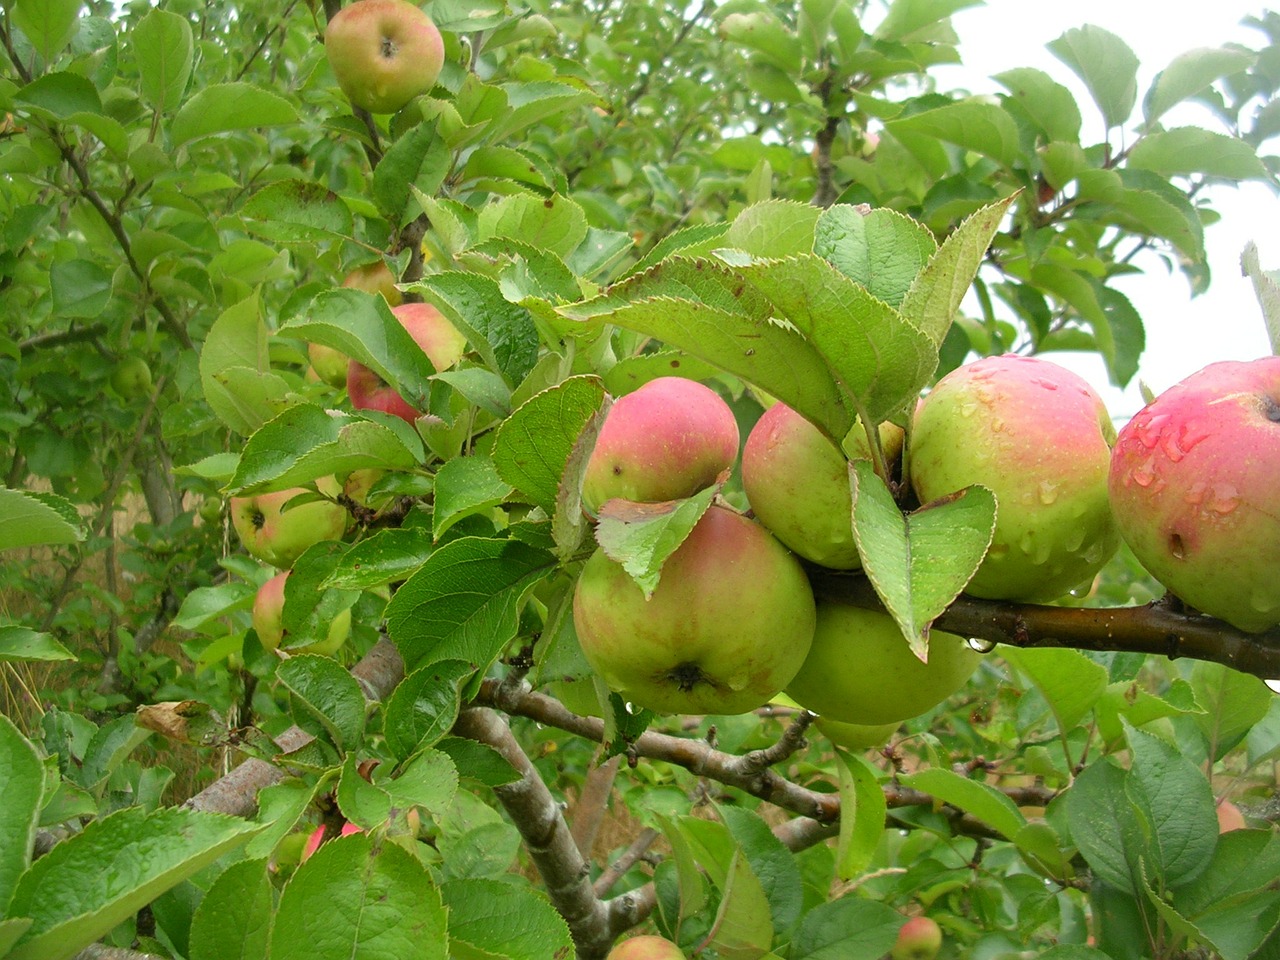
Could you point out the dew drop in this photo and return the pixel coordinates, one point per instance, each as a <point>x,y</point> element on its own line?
<point>1075,540</point>
<point>981,644</point>
<point>1144,475</point>
<point>1195,493</point>
<point>1047,384</point>
<point>968,409</point>
<point>1151,431</point>
<point>1048,492</point>
<point>1264,600</point>
<point>1190,434</point>
<point>1224,499</point>
<point>1273,685</point>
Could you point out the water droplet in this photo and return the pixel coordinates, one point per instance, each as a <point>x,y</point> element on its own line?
<point>1151,430</point>
<point>1195,493</point>
<point>1145,474</point>
<point>1264,599</point>
<point>1273,685</point>
<point>1048,492</point>
<point>1075,540</point>
<point>968,409</point>
<point>982,645</point>
<point>1047,384</point>
<point>997,425</point>
<point>1224,499</point>
<point>1190,434</point>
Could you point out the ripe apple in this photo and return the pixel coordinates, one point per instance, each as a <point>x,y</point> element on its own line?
<point>317,837</point>
<point>1195,490</point>
<point>1040,438</point>
<point>280,536</point>
<point>268,621</point>
<point>330,364</point>
<point>920,938</point>
<point>131,378</point>
<point>646,948</point>
<point>668,439</point>
<point>1230,818</point>
<point>443,344</point>
<point>383,53</point>
<point>860,668</point>
<point>726,629</point>
<point>797,482</point>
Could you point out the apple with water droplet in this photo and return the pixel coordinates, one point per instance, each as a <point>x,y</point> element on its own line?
<point>383,53</point>
<point>1195,486</point>
<point>1040,438</point>
<point>725,630</point>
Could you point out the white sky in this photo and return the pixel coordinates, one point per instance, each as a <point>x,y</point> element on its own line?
<point>1183,334</point>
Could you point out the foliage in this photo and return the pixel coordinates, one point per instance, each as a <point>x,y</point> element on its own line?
<point>772,197</point>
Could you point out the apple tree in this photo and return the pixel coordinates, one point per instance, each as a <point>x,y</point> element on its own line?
<point>538,683</point>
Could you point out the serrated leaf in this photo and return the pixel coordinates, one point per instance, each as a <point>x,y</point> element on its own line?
<point>110,746</point>
<point>48,24</point>
<point>417,162</point>
<point>79,288</point>
<point>851,928</point>
<point>292,211</point>
<point>774,229</point>
<point>94,880</point>
<point>354,899</point>
<point>640,536</point>
<point>1103,824</point>
<point>698,240</point>
<point>879,249</point>
<point>742,929</point>
<point>30,519</point>
<point>428,780</point>
<point>366,805</point>
<point>233,919</point>
<point>61,95</point>
<point>424,706</point>
<point>463,603</point>
<point>972,796</point>
<point>772,863</point>
<point>1069,681</point>
<point>1189,73</point>
<point>1266,289</point>
<point>1046,101</point>
<point>164,50</point>
<point>692,881</point>
<point>21,792</point>
<point>465,486</point>
<point>281,808</point>
<point>533,445</point>
<point>384,557</point>
<point>1233,702</point>
<point>327,692</point>
<point>762,31</point>
<point>21,644</point>
<point>221,107</point>
<point>492,919</point>
<point>503,333</point>
<point>862,815</point>
<point>235,369</point>
<point>1187,150</point>
<point>1107,66</point>
<point>554,223</point>
<point>970,124</point>
<point>919,563</point>
<point>478,761</point>
<point>528,103</point>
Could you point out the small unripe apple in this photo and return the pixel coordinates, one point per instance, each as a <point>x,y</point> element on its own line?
<point>131,378</point>
<point>861,670</point>
<point>1040,438</point>
<point>268,621</point>
<point>383,53</point>
<point>668,439</point>
<point>1195,486</point>
<point>280,536</point>
<point>797,482</point>
<point>439,339</point>
<point>920,938</point>
<point>646,948</point>
<point>855,736</point>
<point>726,629</point>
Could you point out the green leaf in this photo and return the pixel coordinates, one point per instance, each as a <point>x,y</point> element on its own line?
<point>428,780</point>
<point>29,519</point>
<point>307,442</point>
<point>969,124</point>
<point>61,95</point>
<point>1187,150</point>
<point>528,103</point>
<point>310,609</point>
<point>221,107</point>
<point>773,229</point>
<point>935,296</point>
<point>352,899</point>
<point>880,249</point>
<point>1069,681</point>
<point>764,33</point>
<point>533,445</point>
<point>554,223</point>
<point>1046,101</point>
<point>919,563</point>
<point>742,929</point>
<point>327,692</point>
<point>235,369</point>
<point>48,24</point>
<point>424,706</point>
<point>466,486</point>
<point>478,762</point>
<point>1234,902</point>
<point>204,605</point>
<point>281,808</point>
<point>1266,289</point>
<point>233,920</point>
<point>418,159</point>
<point>164,50</point>
<point>384,557</point>
<point>503,333</point>
<point>290,211</point>
<point>1233,702</point>
<point>1107,66</point>
<point>908,19</point>
<point>491,919</point>
<point>862,815</point>
<point>1143,202</point>
<point>464,602</point>
<point>79,288</point>
<point>1189,74</point>
<point>695,241</point>
<point>361,802</point>
<point>118,864</point>
<point>20,644</point>
<point>772,863</point>
<point>974,797</point>
<point>110,746</point>
<point>21,792</point>
<point>851,928</point>
<point>1104,824</point>
<point>640,536</point>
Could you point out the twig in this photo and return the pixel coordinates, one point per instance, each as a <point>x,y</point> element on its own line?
<point>632,855</point>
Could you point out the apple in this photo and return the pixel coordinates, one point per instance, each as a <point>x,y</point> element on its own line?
<point>443,344</point>
<point>1040,438</point>
<point>268,621</point>
<point>317,837</point>
<point>1229,817</point>
<point>726,629</point>
<point>797,482</point>
<point>131,378</point>
<point>861,670</point>
<point>279,536</point>
<point>383,53</point>
<point>1195,490</point>
<point>646,948</point>
<point>330,364</point>
<point>856,736</point>
<point>668,439</point>
<point>920,938</point>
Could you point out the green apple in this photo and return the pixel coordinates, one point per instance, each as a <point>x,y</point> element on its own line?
<point>797,482</point>
<point>268,621</point>
<point>726,629</point>
<point>668,439</point>
<point>646,948</point>
<point>856,736</point>
<point>861,670</point>
<point>920,938</point>
<point>383,53</point>
<point>131,378</point>
<point>1040,438</point>
<point>279,536</point>
<point>1195,487</point>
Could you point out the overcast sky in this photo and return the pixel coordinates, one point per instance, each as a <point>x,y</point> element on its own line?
<point>1183,334</point>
